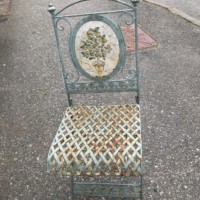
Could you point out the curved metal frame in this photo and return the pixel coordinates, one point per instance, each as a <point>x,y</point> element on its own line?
<point>120,38</point>
<point>81,1</point>
<point>127,84</point>
<point>72,82</point>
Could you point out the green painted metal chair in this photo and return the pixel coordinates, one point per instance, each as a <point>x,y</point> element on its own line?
<point>99,141</point>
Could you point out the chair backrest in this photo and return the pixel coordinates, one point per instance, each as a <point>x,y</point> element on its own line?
<point>102,45</point>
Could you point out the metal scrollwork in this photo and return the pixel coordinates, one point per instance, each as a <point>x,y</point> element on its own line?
<point>63,24</point>
<point>128,73</point>
<point>96,87</point>
<point>61,27</point>
<point>69,76</point>
<point>126,18</point>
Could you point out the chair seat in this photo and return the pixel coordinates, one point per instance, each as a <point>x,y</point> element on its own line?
<point>98,140</point>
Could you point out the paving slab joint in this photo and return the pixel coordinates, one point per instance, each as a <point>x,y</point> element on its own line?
<point>176,12</point>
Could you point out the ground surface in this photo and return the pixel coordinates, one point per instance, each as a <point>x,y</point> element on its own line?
<point>191,7</point>
<point>33,100</point>
<point>4,10</point>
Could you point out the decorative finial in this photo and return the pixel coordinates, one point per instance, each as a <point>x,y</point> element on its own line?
<point>135,2</point>
<point>51,8</point>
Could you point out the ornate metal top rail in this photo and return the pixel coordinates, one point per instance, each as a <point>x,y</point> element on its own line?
<point>81,1</point>
<point>95,13</point>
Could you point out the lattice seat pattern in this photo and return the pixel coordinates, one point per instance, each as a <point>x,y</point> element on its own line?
<point>98,140</point>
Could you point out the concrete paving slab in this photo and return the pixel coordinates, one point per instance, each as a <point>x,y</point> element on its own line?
<point>191,7</point>
<point>33,100</point>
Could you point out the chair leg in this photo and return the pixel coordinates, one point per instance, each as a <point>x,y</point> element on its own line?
<point>141,193</point>
<point>141,189</point>
<point>72,186</point>
<point>95,188</point>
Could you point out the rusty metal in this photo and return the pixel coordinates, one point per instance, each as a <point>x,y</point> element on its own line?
<point>98,140</point>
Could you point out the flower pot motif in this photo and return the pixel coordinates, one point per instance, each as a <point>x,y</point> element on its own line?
<point>96,47</point>
<point>99,67</point>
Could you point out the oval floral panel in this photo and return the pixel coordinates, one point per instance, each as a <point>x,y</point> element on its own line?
<point>97,47</point>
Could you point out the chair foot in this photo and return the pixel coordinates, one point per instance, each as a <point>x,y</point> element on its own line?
<point>141,192</point>
<point>72,187</point>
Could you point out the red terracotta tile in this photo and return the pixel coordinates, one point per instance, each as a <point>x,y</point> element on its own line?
<point>145,40</point>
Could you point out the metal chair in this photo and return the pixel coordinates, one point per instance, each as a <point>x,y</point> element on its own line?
<point>99,141</point>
